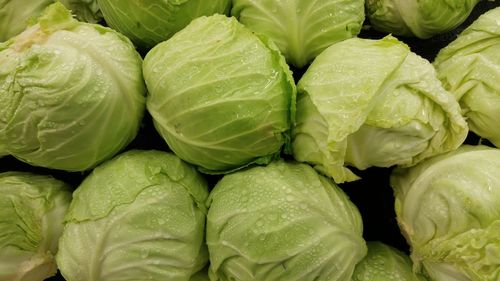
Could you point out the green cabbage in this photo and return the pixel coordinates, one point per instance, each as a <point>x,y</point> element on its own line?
<point>469,67</point>
<point>72,93</point>
<point>84,10</point>
<point>301,29</point>
<point>420,18</point>
<point>448,208</point>
<point>32,208</point>
<point>282,222</point>
<point>385,263</point>
<point>16,15</point>
<point>139,216</point>
<point>366,103</point>
<point>202,275</point>
<point>148,23</point>
<point>221,97</point>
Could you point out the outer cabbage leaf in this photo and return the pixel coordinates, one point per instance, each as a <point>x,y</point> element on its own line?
<point>366,103</point>
<point>16,14</point>
<point>139,216</point>
<point>72,93</point>
<point>385,263</point>
<point>301,29</point>
<point>448,209</point>
<point>84,10</point>
<point>469,67</point>
<point>31,222</point>
<point>148,23</point>
<point>420,18</point>
<point>221,97</point>
<point>282,222</point>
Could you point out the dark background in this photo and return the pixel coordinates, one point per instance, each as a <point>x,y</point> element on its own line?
<point>372,194</point>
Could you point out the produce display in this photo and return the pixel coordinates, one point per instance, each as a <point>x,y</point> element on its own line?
<point>234,140</point>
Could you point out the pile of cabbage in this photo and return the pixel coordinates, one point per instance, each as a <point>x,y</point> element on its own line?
<point>222,140</point>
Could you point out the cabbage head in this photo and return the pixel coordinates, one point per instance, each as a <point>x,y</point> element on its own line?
<point>469,67</point>
<point>72,93</point>
<point>16,15</point>
<point>32,209</point>
<point>220,96</point>
<point>385,263</point>
<point>84,10</point>
<point>282,222</point>
<point>201,275</point>
<point>148,23</point>
<point>139,216</point>
<point>366,103</point>
<point>448,207</point>
<point>419,18</point>
<point>300,28</point>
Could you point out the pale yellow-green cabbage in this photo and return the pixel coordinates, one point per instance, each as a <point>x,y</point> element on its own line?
<point>420,18</point>
<point>139,216</point>
<point>301,29</point>
<point>32,209</point>
<point>448,208</point>
<point>148,23</point>
<point>469,68</point>
<point>365,103</point>
<point>385,263</point>
<point>72,93</point>
<point>282,222</point>
<point>220,96</point>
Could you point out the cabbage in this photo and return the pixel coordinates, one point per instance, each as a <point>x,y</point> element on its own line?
<point>366,103</point>
<point>385,263</point>
<point>31,222</point>
<point>202,275</point>
<point>469,67</point>
<point>221,97</point>
<point>15,15</point>
<point>420,18</point>
<point>139,216</point>
<point>282,222</point>
<point>148,23</point>
<point>448,208</point>
<point>84,10</point>
<point>72,93</point>
<point>301,29</point>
